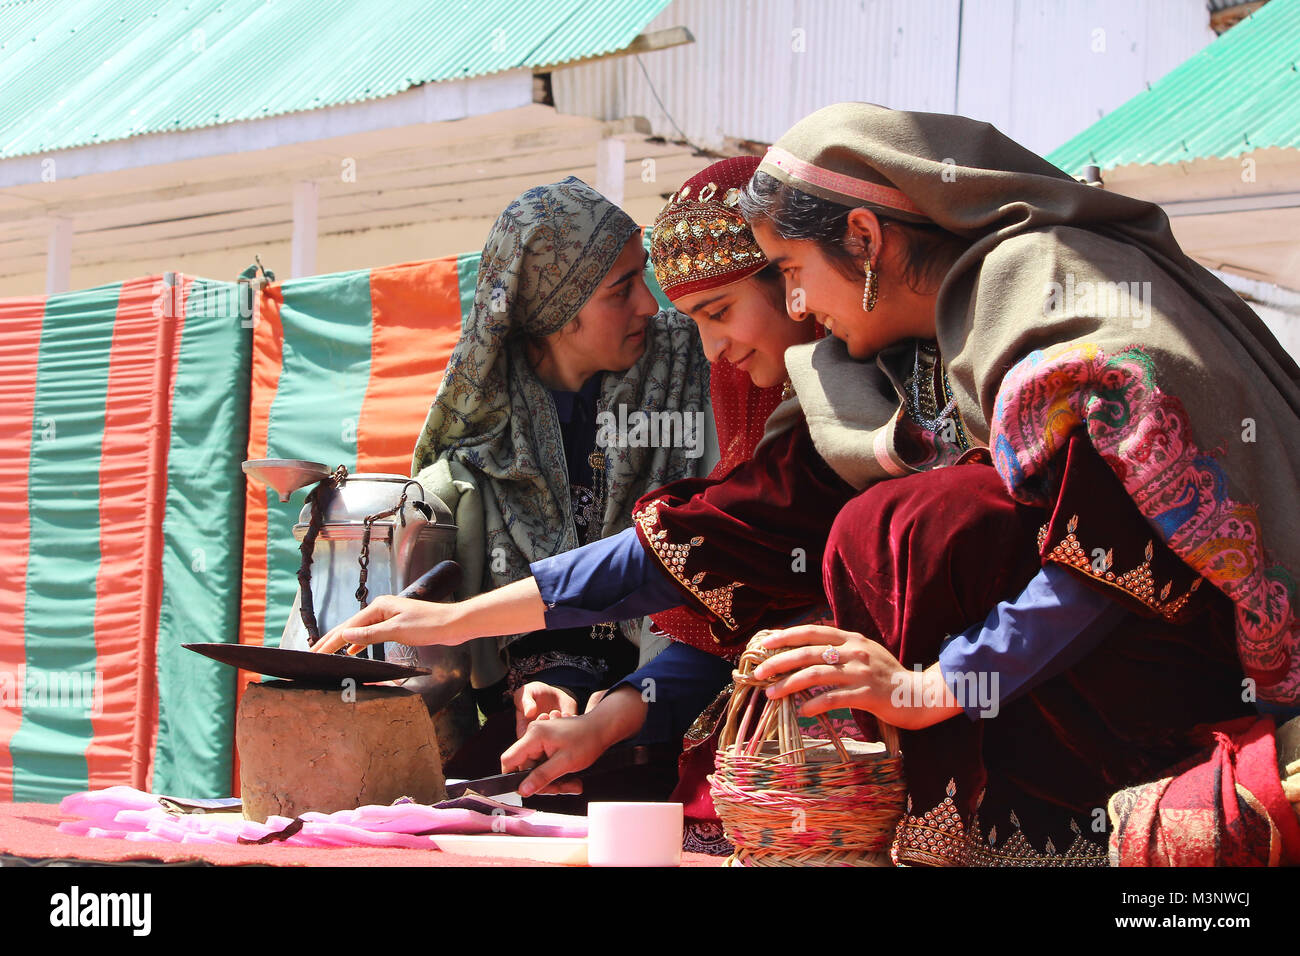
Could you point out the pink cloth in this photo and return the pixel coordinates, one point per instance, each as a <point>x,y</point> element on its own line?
<point>127,814</point>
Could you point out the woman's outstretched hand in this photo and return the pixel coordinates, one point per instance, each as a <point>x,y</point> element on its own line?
<point>388,618</point>
<point>853,671</point>
<point>514,609</point>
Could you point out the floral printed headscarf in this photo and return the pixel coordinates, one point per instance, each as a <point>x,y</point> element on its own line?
<point>545,256</point>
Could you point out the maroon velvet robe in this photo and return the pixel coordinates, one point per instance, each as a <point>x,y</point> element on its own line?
<point>746,551</point>
<point>912,560</point>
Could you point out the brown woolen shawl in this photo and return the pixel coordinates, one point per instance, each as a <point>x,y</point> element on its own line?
<point>1192,402</point>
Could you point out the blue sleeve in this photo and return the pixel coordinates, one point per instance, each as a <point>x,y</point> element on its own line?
<point>677,684</point>
<point>1047,629</point>
<point>608,580</point>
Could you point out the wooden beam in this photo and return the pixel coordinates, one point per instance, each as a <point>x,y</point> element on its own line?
<point>58,265</point>
<point>642,43</point>
<point>248,230</point>
<point>306,196</point>
<point>284,171</point>
<point>1230,204</point>
<point>500,179</point>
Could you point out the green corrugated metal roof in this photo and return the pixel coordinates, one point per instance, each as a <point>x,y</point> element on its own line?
<point>1241,93</point>
<point>76,72</point>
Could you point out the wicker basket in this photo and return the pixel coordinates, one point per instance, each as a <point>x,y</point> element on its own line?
<point>789,800</point>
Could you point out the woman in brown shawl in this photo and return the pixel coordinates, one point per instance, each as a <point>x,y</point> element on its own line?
<point>1059,307</point>
<point>1113,380</point>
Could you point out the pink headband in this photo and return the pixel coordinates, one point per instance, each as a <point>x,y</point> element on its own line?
<point>838,182</point>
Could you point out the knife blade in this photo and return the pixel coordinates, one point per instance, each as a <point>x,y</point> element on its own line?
<point>617,758</point>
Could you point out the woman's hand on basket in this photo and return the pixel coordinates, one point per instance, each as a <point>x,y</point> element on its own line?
<point>854,671</point>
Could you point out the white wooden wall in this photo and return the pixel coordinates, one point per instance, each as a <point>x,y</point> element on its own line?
<point>1040,70</point>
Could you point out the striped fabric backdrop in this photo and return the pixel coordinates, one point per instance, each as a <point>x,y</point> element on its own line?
<point>125,412</point>
<point>344,368</point>
<point>121,410</point>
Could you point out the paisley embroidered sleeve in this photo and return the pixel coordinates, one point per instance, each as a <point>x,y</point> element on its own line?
<point>747,549</point>
<point>1096,531</point>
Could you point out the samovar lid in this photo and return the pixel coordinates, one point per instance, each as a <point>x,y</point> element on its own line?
<point>286,475</point>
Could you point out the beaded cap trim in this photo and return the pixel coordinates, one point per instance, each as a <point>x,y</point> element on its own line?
<point>702,238</point>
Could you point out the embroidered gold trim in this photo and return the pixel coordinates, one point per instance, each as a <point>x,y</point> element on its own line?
<point>673,558</point>
<point>1138,583</point>
<point>938,837</point>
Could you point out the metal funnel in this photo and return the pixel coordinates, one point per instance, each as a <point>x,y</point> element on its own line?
<point>286,475</point>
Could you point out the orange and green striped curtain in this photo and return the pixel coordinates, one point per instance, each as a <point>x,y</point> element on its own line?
<point>125,411</point>
<point>344,368</point>
<point>123,415</point>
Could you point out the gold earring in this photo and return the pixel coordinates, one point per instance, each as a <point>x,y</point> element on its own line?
<point>869,288</point>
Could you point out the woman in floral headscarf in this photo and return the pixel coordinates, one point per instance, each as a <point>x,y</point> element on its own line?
<point>563,329</point>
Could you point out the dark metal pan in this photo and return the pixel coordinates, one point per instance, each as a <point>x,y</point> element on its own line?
<point>306,666</point>
<point>435,584</point>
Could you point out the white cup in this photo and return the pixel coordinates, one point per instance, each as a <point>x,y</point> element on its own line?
<point>634,834</point>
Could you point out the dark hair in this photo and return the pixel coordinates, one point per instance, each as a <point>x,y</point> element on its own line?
<point>537,347</point>
<point>929,249</point>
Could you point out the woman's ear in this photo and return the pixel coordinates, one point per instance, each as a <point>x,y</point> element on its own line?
<point>862,234</point>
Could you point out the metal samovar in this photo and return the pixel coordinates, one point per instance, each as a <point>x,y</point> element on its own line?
<point>362,536</point>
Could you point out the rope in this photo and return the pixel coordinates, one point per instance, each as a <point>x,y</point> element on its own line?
<point>306,605</point>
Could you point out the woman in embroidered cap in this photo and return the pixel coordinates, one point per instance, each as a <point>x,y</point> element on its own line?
<point>707,263</point>
<point>706,260</point>
<point>563,328</point>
